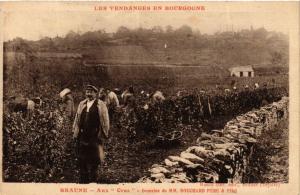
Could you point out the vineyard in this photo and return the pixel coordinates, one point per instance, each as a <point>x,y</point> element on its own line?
<point>40,148</point>
<point>234,154</point>
<point>191,69</point>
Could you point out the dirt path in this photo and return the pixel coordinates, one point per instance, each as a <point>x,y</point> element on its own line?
<point>128,161</point>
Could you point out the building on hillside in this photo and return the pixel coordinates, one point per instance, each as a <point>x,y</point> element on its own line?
<point>242,71</point>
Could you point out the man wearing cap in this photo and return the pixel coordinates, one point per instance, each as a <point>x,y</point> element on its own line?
<point>91,126</point>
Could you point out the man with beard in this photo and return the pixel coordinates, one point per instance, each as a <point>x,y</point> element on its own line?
<point>91,126</point>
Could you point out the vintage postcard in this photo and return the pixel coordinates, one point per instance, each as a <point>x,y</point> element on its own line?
<point>143,97</point>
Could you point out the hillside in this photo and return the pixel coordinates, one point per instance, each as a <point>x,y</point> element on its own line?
<point>166,47</point>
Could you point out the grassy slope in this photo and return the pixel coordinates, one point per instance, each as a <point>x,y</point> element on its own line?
<point>270,160</point>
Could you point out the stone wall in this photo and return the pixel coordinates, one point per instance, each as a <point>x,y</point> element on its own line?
<point>222,156</point>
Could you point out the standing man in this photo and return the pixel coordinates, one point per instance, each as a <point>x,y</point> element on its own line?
<point>91,126</point>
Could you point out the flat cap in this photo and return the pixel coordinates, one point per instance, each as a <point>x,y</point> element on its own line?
<point>91,87</point>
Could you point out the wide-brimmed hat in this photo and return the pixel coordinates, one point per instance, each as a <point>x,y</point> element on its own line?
<point>91,87</point>
<point>64,92</point>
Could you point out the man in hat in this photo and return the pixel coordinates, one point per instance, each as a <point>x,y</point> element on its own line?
<point>68,103</point>
<point>112,103</point>
<point>91,126</point>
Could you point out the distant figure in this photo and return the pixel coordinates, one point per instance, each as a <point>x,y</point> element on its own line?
<point>128,97</point>
<point>202,92</point>
<point>246,87</point>
<point>118,92</point>
<point>24,105</point>
<point>157,97</point>
<point>102,95</point>
<point>256,86</point>
<point>178,94</point>
<point>144,96</point>
<point>112,99</point>
<point>112,103</point>
<point>154,99</point>
<point>181,93</point>
<point>233,83</point>
<point>227,90</point>
<point>68,103</point>
<point>204,104</point>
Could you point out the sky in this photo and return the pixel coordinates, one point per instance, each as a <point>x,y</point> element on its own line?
<point>33,21</point>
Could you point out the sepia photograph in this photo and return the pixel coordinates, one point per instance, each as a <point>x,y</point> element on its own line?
<point>146,92</point>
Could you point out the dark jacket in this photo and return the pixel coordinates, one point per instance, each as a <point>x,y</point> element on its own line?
<point>103,118</point>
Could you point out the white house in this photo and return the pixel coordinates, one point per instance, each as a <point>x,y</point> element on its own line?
<point>241,71</point>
